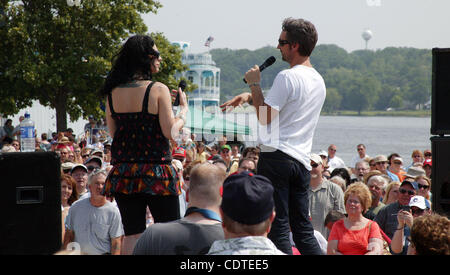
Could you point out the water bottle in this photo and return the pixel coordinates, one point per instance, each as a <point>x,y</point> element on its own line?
<point>27,140</point>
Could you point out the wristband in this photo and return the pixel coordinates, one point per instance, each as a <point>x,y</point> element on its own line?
<point>401,228</point>
<point>253,84</point>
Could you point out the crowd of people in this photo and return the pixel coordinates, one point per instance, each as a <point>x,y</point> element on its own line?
<point>379,210</point>
<point>156,188</point>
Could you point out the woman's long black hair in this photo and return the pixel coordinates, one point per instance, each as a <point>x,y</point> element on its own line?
<point>133,62</point>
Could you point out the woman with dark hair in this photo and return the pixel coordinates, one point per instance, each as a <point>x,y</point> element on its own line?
<point>141,121</point>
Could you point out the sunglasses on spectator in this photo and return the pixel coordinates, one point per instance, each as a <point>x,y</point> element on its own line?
<point>314,165</point>
<point>421,186</point>
<point>92,168</point>
<point>427,154</point>
<point>410,192</point>
<point>417,211</point>
<point>85,156</point>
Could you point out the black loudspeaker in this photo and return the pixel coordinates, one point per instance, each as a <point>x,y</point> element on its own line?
<point>30,203</point>
<point>440,92</point>
<point>440,182</point>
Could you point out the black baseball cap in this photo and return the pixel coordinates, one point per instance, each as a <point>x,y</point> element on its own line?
<point>247,198</point>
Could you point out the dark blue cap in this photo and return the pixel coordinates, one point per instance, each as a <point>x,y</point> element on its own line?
<point>247,198</point>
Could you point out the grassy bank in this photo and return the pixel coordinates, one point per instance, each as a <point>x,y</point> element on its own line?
<point>409,113</point>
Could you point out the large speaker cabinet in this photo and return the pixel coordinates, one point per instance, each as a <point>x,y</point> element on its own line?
<point>440,184</point>
<point>440,92</point>
<point>30,203</point>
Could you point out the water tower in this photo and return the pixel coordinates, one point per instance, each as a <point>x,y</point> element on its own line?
<point>367,35</point>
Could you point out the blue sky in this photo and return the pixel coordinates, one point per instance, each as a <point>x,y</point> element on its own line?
<point>252,24</point>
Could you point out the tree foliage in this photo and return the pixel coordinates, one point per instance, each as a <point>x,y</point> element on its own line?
<point>59,55</point>
<point>360,80</point>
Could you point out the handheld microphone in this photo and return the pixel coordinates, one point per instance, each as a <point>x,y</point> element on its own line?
<point>269,61</point>
<point>181,85</point>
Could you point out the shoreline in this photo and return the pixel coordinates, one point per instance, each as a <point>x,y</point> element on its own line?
<point>418,113</point>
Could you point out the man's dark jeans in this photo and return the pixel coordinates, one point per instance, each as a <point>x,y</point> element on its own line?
<point>290,180</point>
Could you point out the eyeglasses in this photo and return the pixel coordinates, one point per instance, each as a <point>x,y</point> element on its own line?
<point>92,168</point>
<point>410,192</point>
<point>421,186</point>
<point>314,165</point>
<point>156,54</point>
<point>283,42</point>
<point>417,211</point>
<point>417,156</point>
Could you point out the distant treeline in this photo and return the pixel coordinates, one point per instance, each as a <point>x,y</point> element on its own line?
<point>398,78</point>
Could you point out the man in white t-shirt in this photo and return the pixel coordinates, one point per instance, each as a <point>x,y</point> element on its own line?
<point>361,149</point>
<point>94,222</point>
<point>333,160</point>
<point>288,116</point>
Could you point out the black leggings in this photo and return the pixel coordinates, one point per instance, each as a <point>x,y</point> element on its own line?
<point>133,210</point>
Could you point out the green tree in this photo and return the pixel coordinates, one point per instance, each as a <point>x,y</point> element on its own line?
<point>59,54</point>
<point>332,101</point>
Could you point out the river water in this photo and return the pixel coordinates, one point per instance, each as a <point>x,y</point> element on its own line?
<point>381,135</point>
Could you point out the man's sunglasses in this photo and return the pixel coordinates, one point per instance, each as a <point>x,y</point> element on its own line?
<point>283,42</point>
<point>417,211</point>
<point>410,192</point>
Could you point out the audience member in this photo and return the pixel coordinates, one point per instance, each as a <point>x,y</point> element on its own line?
<point>405,218</point>
<point>339,181</point>
<point>332,217</point>
<point>381,163</point>
<point>427,154</point>
<point>427,166</point>
<point>333,160</point>
<point>93,162</point>
<point>247,164</point>
<point>430,236</point>
<point>387,216</point>
<point>80,173</point>
<point>361,156</point>
<point>377,185</point>
<point>391,193</point>
<point>201,225</point>
<point>247,211</point>
<point>95,223</point>
<point>235,152</point>
<point>225,153</point>
<point>68,196</point>
<point>324,196</point>
<point>424,187</point>
<point>417,157</point>
<point>395,167</point>
<point>251,152</point>
<point>355,234</point>
<point>202,155</point>
<point>213,151</point>
<point>343,173</point>
<point>372,164</point>
<point>361,168</point>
